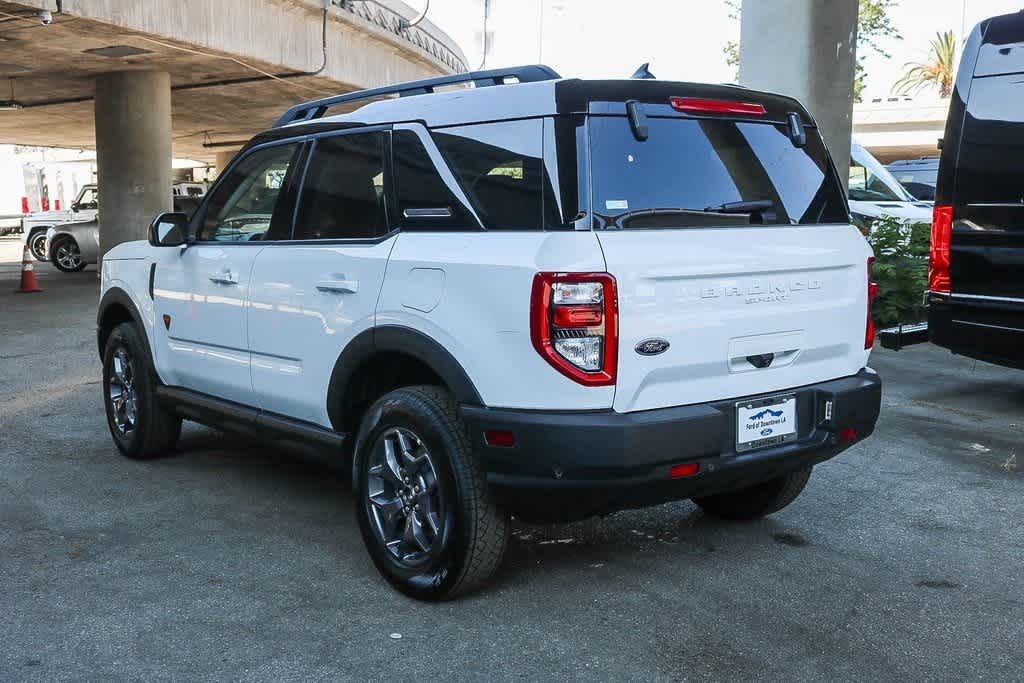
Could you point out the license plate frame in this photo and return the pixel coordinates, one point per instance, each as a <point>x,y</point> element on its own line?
<point>750,423</point>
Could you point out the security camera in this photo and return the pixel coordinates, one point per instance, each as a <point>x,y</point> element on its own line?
<point>45,17</point>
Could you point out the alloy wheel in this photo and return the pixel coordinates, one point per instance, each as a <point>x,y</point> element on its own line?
<point>404,498</point>
<point>68,255</point>
<point>121,393</point>
<point>37,245</point>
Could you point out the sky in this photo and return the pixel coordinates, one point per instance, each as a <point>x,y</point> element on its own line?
<point>682,39</point>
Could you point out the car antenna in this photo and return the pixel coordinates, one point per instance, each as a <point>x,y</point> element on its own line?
<point>643,71</point>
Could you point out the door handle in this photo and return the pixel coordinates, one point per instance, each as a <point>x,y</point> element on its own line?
<point>340,286</point>
<point>224,277</point>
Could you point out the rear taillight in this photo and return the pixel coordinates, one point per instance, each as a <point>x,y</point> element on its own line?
<point>702,105</point>
<point>574,325</point>
<point>869,334</point>
<point>938,255</point>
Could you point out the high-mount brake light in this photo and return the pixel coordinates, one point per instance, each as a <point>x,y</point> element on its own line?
<point>703,105</point>
<point>938,254</point>
<point>574,325</point>
<point>869,333</point>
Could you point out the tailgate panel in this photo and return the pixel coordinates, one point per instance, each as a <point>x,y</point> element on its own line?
<point>726,298</point>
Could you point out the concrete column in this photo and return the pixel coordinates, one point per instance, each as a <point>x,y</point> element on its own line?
<point>133,153</point>
<point>806,49</point>
<point>223,159</point>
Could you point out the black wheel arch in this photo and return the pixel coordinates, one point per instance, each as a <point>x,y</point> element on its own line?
<point>63,237</point>
<point>386,342</point>
<point>116,307</point>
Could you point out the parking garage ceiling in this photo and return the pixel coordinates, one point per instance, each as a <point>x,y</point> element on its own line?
<point>47,75</point>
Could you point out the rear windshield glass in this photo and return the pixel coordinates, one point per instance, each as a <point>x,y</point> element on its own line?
<point>704,172</point>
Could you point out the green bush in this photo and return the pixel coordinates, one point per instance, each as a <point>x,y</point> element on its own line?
<point>901,269</point>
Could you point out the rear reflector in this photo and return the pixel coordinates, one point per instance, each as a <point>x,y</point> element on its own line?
<point>848,434</point>
<point>698,104</point>
<point>938,255</point>
<point>685,470</point>
<point>499,438</point>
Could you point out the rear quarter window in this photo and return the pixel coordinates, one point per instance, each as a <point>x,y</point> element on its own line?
<point>500,168</point>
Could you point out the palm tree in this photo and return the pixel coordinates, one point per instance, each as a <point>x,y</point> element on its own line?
<point>937,71</point>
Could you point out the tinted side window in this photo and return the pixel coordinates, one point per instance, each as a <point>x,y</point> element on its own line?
<point>989,168</point>
<point>343,193</point>
<point>245,205</point>
<point>500,168</point>
<point>424,200</point>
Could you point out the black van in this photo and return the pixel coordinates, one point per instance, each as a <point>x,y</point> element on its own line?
<point>976,270</point>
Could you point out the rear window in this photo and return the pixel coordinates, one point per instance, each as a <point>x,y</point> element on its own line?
<point>709,172</point>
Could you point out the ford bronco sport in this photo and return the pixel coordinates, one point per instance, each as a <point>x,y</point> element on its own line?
<point>542,297</point>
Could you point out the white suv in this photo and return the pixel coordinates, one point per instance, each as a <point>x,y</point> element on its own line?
<point>551,298</point>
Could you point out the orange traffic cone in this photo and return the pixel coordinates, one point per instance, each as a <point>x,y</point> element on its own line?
<point>28,275</point>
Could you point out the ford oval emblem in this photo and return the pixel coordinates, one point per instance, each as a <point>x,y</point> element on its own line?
<point>652,347</point>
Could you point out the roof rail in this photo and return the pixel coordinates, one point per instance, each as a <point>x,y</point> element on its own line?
<point>314,109</point>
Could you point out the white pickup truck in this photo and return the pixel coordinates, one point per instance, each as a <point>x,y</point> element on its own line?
<point>34,225</point>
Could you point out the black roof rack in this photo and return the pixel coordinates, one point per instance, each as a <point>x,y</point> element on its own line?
<point>314,109</point>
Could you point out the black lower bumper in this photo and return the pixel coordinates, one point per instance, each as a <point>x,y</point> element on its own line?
<point>601,461</point>
<point>987,328</point>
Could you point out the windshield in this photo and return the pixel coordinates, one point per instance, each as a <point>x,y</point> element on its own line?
<point>872,182</point>
<point>709,172</point>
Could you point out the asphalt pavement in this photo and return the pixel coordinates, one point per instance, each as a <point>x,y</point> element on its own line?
<point>903,559</point>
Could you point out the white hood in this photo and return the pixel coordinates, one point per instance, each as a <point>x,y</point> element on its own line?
<point>914,212</point>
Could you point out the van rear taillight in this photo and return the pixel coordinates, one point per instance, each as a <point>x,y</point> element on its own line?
<point>938,255</point>
<point>702,105</point>
<point>869,334</point>
<point>574,325</point>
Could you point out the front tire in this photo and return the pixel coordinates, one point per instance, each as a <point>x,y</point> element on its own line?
<point>66,255</point>
<point>425,513</point>
<point>141,428</point>
<point>37,244</point>
<point>758,500</point>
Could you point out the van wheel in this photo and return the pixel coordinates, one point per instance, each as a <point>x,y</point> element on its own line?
<point>758,500</point>
<point>426,516</point>
<point>66,255</point>
<point>141,428</point>
<point>37,244</point>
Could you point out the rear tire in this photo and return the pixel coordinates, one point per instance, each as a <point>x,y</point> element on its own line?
<point>37,244</point>
<point>141,428</point>
<point>758,500</point>
<point>66,255</point>
<point>426,515</point>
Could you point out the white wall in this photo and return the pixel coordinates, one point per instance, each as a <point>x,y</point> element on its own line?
<point>65,171</point>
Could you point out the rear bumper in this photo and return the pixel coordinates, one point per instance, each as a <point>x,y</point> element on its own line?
<point>990,329</point>
<point>601,461</point>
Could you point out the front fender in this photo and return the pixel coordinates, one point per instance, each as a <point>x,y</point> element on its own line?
<point>117,296</point>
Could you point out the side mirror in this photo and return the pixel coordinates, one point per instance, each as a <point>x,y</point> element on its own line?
<point>75,207</point>
<point>169,229</point>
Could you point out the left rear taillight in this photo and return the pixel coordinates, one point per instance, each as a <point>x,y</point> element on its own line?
<point>869,334</point>
<point>938,255</point>
<point>574,325</point>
